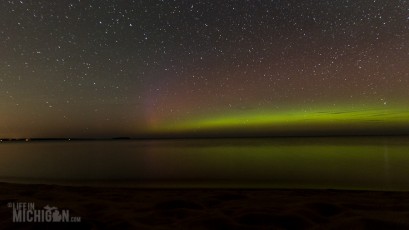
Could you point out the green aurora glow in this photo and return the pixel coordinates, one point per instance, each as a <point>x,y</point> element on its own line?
<point>203,68</point>
<point>337,121</point>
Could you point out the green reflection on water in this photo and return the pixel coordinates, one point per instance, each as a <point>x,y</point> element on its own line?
<point>378,163</point>
<point>364,163</point>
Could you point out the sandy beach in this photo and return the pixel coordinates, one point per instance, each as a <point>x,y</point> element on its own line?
<point>125,208</point>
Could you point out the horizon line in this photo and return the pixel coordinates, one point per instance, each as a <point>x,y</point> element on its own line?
<point>195,137</point>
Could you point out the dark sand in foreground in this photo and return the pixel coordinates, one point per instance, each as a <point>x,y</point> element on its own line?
<point>124,208</point>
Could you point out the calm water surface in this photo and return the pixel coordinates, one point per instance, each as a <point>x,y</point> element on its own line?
<point>338,163</point>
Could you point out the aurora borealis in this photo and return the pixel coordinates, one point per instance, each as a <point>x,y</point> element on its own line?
<point>203,68</point>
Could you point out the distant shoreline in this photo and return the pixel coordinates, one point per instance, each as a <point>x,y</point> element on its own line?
<point>195,137</point>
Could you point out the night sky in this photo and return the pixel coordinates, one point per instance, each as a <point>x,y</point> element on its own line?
<point>203,68</point>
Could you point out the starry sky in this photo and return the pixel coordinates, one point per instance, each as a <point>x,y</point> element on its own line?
<point>172,68</point>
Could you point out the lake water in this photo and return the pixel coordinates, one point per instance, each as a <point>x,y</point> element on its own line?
<point>375,163</point>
